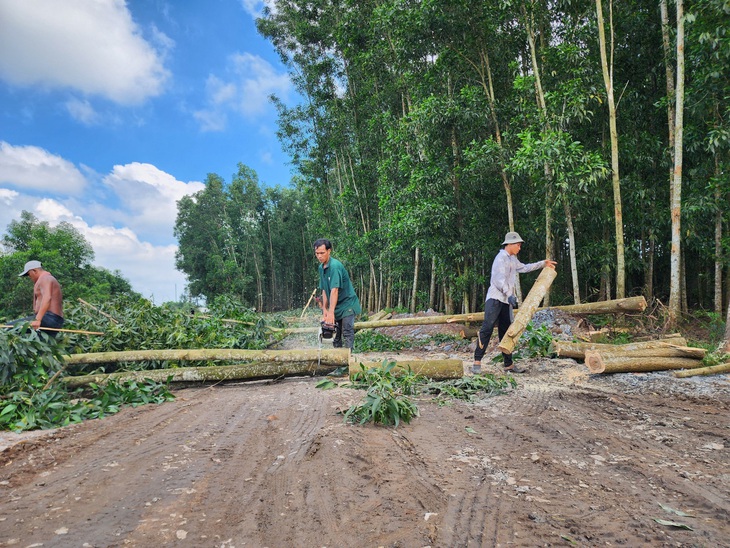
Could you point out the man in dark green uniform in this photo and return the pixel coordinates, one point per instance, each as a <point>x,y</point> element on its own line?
<point>340,304</point>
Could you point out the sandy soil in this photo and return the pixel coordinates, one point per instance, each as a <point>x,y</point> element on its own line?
<point>565,459</point>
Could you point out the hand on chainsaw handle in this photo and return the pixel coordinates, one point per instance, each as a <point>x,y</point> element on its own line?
<point>328,317</point>
<point>512,300</point>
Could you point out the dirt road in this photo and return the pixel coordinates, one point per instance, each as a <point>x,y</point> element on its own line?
<point>565,459</point>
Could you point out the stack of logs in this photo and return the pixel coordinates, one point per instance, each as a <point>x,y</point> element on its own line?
<point>664,354</point>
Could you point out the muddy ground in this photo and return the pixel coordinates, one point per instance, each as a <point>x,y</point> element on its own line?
<point>566,459</point>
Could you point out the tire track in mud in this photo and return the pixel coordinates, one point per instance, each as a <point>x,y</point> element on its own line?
<point>586,462</point>
<point>541,464</point>
<point>88,482</point>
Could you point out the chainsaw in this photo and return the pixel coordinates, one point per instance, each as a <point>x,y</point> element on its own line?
<point>326,331</point>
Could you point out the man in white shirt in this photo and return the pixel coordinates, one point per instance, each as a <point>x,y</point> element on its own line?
<point>501,297</point>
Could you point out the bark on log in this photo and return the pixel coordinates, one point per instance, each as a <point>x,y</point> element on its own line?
<point>597,364</point>
<point>336,357</point>
<point>527,310</point>
<point>433,369</point>
<point>657,352</point>
<point>712,370</point>
<point>577,350</point>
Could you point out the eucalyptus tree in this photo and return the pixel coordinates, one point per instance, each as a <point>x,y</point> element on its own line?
<point>334,135</point>
<point>676,186</point>
<point>607,69</point>
<point>208,252</point>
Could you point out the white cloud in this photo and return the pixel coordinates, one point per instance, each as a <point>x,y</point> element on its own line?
<point>252,7</point>
<point>82,111</point>
<point>7,196</point>
<point>92,46</point>
<point>135,236</point>
<point>149,197</point>
<point>251,80</point>
<point>149,268</point>
<point>33,168</point>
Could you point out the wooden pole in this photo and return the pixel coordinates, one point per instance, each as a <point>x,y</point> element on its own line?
<point>82,301</point>
<point>59,330</point>
<point>330,356</point>
<point>711,370</point>
<point>527,310</point>
<point>309,301</point>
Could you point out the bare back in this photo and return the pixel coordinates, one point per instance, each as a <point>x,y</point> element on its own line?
<point>48,290</point>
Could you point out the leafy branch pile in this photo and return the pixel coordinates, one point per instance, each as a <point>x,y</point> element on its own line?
<point>387,392</point>
<point>30,362</point>
<point>136,324</point>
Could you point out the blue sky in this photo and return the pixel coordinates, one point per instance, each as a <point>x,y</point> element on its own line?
<point>110,111</point>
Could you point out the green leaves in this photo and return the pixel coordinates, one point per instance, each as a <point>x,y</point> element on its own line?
<point>386,400</point>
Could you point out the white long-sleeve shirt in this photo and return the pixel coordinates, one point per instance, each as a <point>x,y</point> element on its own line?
<point>504,275</point>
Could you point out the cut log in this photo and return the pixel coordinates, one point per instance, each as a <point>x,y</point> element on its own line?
<point>577,350</point>
<point>527,310</point>
<point>597,364</point>
<point>433,369</point>
<point>336,357</point>
<point>711,370</point>
<point>629,304</point>
<point>656,352</point>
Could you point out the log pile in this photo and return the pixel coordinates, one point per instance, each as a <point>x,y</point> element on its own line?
<point>656,355</point>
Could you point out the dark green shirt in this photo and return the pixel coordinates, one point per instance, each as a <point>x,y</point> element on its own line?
<point>335,275</point>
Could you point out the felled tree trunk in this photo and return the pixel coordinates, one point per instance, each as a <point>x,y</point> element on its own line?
<point>656,352</point>
<point>250,372</point>
<point>433,369</point>
<point>336,357</point>
<point>632,304</point>
<point>597,364</point>
<point>527,310</point>
<point>577,350</point>
<point>712,370</point>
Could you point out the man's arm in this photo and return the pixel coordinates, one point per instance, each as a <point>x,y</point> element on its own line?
<point>329,310</point>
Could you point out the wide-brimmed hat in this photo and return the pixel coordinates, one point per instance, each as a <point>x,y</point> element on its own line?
<point>30,265</point>
<point>512,238</point>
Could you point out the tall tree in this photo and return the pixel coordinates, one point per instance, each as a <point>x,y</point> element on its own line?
<point>608,71</point>
<point>676,186</point>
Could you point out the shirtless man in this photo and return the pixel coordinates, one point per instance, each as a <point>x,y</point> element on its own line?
<point>47,298</point>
